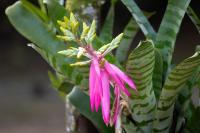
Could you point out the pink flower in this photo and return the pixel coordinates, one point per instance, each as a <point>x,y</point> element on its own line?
<point>102,75</point>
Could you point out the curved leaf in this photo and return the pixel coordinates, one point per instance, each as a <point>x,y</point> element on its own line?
<point>140,67</point>
<point>35,10</point>
<point>141,20</point>
<point>173,85</point>
<point>170,25</point>
<point>130,31</point>
<point>32,27</point>
<point>193,16</point>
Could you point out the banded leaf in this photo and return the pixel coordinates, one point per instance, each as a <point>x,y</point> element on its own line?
<point>170,25</point>
<point>140,18</point>
<point>130,31</point>
<point>173,85</point>
<point>193,16</point>
<point>140,67</point>
<point>157,73</point>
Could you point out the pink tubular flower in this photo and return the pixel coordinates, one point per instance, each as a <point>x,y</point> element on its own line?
<point>102,74</point>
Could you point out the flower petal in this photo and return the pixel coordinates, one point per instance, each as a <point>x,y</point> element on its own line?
<point>105,97</point>
<point>123,76</point>
<point>98,92</point>
<point>95,85</point>
<point>116,78</point>
<point>92,78</point>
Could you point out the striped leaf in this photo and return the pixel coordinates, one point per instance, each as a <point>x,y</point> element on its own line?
<point>140,67</point>
<point>130,31</point>
<point>169,28</point>
<point>157,73</point>
<point>173,85</point>
<point>131,128</point>
<point>140,18</point>
<point>193,16</point>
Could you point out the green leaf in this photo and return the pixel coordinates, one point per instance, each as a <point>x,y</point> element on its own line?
<point>69,52</point>
<point>85,31</point>
<point>140,67</point>
<point>42,6</point>
<point>82,63</point>
<point>193,16</point>
<point>32,27</point>
<point>192,124</point>
<point>173,85</point>
<point>107,29</point>
<point>170,25</point>
<point>35,10</point>
<point>131,128</point>
<point>91,33</point>
<point>157,73</point>
<point>112,45</point>
<point>82,103</point>
<point>68,34</point>
<point>141,20</point>
<point>55,10</point>
<point>130,31</point>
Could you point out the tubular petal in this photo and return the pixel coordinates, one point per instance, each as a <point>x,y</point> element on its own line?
<point>115,77</point>
<point>105,97</point>
<point>92,81</point>
<point>123,76</point>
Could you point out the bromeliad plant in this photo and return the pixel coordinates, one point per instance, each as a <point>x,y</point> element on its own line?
<point>162,100</point>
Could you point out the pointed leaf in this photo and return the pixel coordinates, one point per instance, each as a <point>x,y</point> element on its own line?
<point>91,33</point>
<point>173,85</point>
<point>113,44</point>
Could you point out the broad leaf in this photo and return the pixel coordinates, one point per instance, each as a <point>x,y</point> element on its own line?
<point>82,103</point>
<point>140,67</point>
<point>32,27</point>
<point>173,85</point>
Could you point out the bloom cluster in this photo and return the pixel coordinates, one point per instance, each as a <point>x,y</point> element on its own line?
<point>102,73</point>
